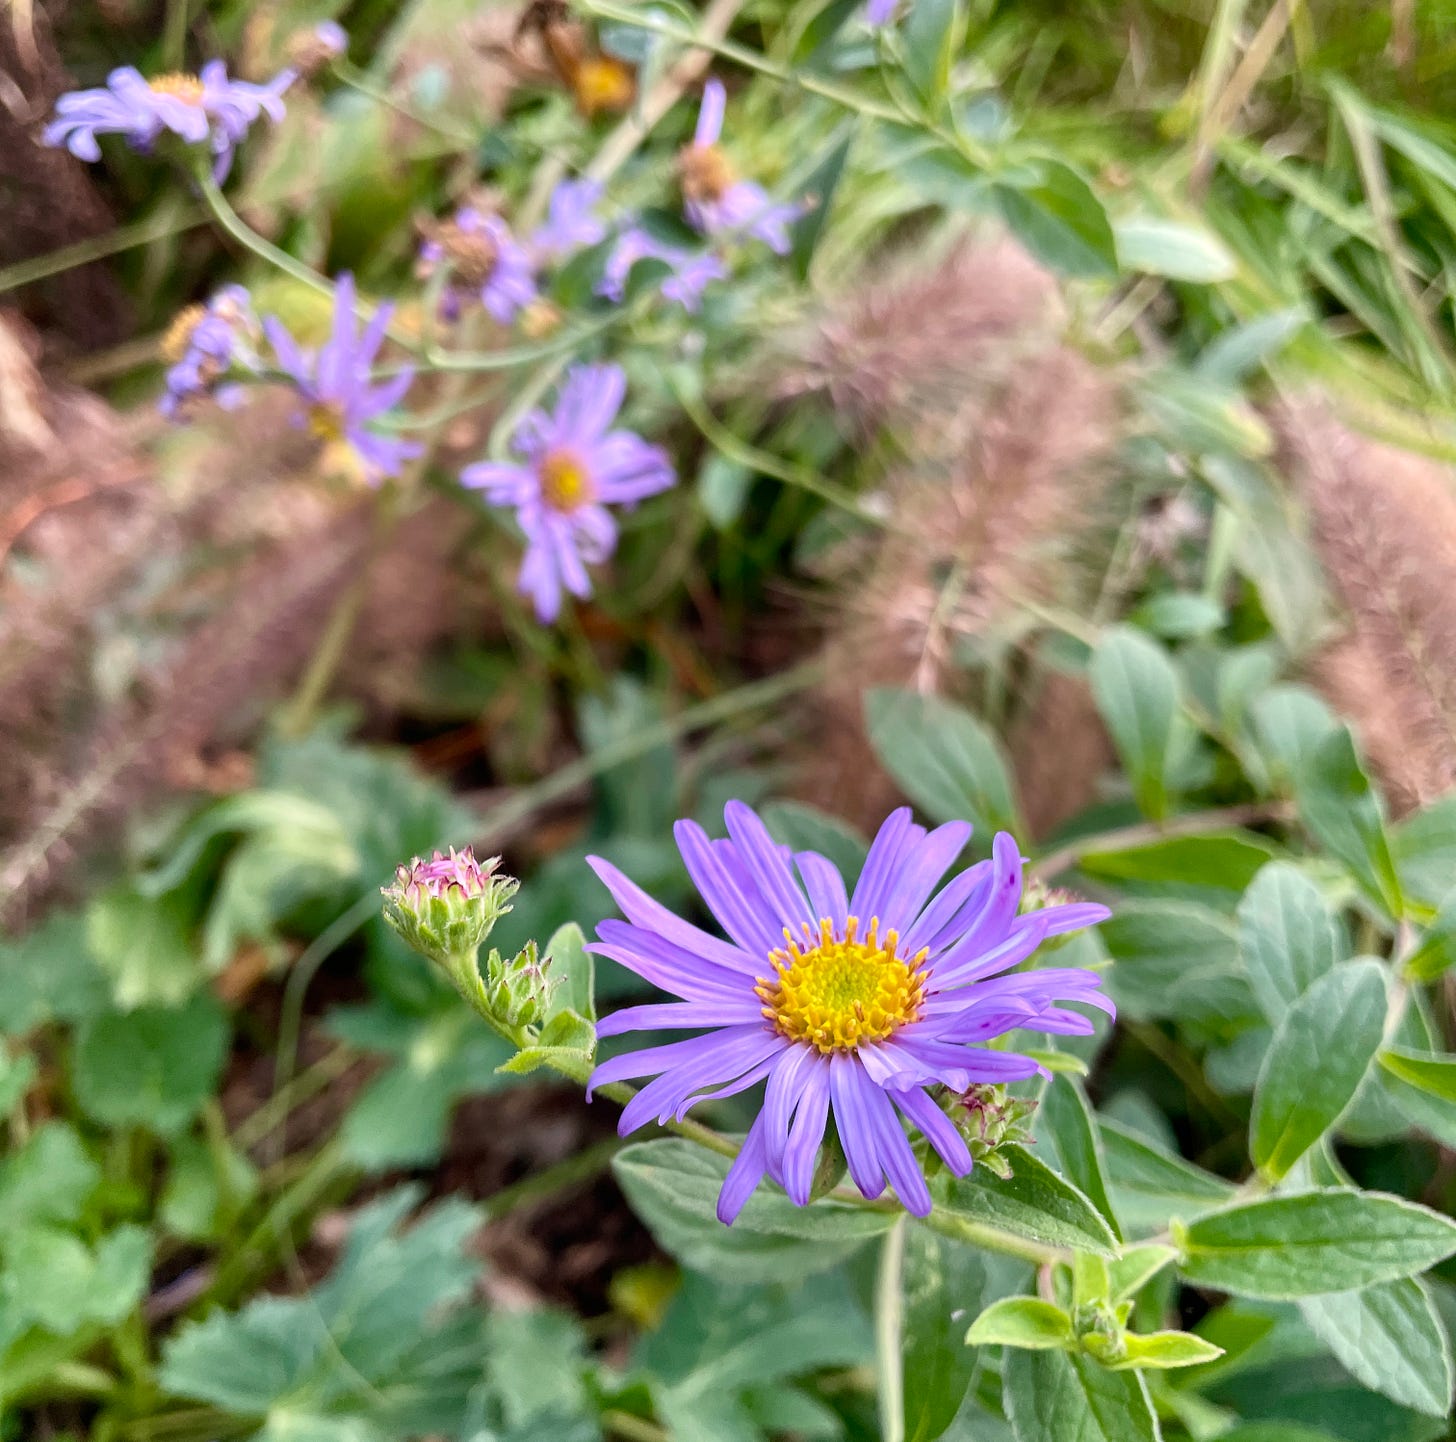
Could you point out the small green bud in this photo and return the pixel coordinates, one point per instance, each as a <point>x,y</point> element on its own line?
<point>990,1118</point>
<point>445,907</point>
<point>519,990</point>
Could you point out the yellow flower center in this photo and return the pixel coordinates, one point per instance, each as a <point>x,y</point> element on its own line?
<point>186,88</point>
<point>601,84</point>
<point>840,994</point>
<point>179,334</point>
<point>326,422</point>
<point>565,483</point>
<point>706,172</point>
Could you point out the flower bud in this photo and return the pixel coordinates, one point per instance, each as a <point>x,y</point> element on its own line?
<point>446,906</point>
<point>990,1118</point>
<point>519,990</point>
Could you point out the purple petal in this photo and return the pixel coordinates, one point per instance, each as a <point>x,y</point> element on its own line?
<point>893,1151</point>
<point>920,873</point>
<point>827,897</point>
<point>744,1175</point>
<point>679,1015</point>
<point>743,916</point>
<point>589,401</point>
<point>850,1088</point>
<point>710,115</point>
<point>768,866</point>
<point>878,876</point>
<point>937,1128</point>
<point>810,1119</point>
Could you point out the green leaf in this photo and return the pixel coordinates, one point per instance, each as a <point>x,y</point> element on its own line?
<point>50,974</point>
<point>817,199</point>
<point>931,34</point>
<point>939,1279</point>
<point>1226,860</point>
<point>1159,948</point>
<point>1288,937</point>
<point>806,828</point>
<point>1068,1397</point>
<point>1338,805</point>
<point>144,945</point>
<point>17,1075</point>
<point>1172,248</point>
<point>566,1038</point>
<point>1034,1202</point>
<point>1065,1119</point>
<point>1432,1073</point>
<point>1022,1322</point>
<point>1137,693</point>
<point>945,760</point>
<point>1305,1083</point>
<point>572,973</point>
<point>152,1067</point>
<point>1137,1266</point>
<point>50,1179</point>
<point>1164,1350</point>
<point>380,1349</point>
<point>673,1186</point>
<point>54,1279</point>
<point>1238,352</point>
<point>1060,220</point>
<point>1285,1247</point>
<point>1390,1338</point>
<point>1290,723</point>
<point>1424,846</point>
<point>207,1186</point>
<point>1150,1185</point>
<point>1435,951</point>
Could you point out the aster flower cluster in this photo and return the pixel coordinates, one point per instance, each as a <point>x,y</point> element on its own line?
<point>207,111</point>
<point>860,1004</point>
<point>571,466</point>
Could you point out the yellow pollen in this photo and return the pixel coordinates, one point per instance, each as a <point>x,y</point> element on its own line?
<point>565,483</point>
<point>179,334</point>
<point>706,172</point>
<point>840,994</point>
<point>184,87</point>
<point>327,423</point>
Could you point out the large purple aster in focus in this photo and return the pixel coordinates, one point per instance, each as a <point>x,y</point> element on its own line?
<point>203,109</point>
<point>715,200</point>
<point>340,399</point>
<point>572,467</point>
<point>853,1003</point>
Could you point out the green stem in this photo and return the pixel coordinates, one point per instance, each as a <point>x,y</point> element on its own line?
<point>572,1171</point>
<point>993,1239</point>
<point>235,226</point>
<point>889,1333</point>
<point>356,79</point>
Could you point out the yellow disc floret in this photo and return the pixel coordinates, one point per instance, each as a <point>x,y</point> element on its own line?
<point>707,174</point>
<point>179,85</point>
<point>838,994</point>
<point>178,335</point>
<point>565,481</point>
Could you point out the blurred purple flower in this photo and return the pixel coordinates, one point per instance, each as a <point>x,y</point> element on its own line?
<point>572,468</point>
<point>486,263</point>
<point>857,1002</point>
<point>310,50</point>
<point>690,274</point>
<point>715,200</point>
<point>571,222</point>
<point>204,343</point>
<point>881,12</point>
<point>206,108</point>
<point>339,399</point>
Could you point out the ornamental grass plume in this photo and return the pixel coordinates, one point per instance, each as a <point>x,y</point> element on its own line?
<point>1384,525</point>
<point>856,1003</point>
<point>571,468</point>
<point>204,110</point>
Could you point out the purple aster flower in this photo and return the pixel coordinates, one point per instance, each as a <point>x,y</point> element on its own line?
<point>572,467</point>
<point>690,274</point>
<point>715,200</point>
<point>881,12</point>
<point>485,262</point>
<point>571,222</point>
<point>339,399</point>
<point>851,1002</point>
<point>204,343</point>
<point>206,108</point>
<point>310,50</point>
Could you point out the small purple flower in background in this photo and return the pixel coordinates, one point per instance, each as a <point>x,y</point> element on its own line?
<point>881,12</point>
<point>206,108</point>
<point>339,399</point>
<point>310,50</point>
<point>715,200</point>
<point>571,222</point>
<point>485,262</point>
<point>690,275</point>
<point>572,468</point>
<point>856,1002</point>
<point>204,343</point>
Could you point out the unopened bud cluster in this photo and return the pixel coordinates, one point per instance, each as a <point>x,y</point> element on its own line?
<point>444,908</point>
<point>990,1118</point>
